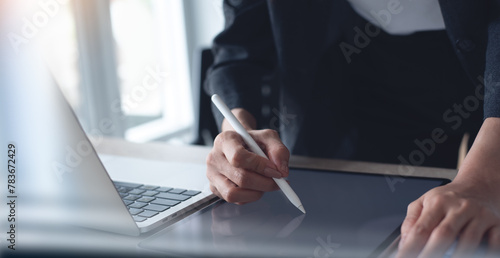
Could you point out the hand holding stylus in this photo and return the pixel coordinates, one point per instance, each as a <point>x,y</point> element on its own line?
<point>240,175</point>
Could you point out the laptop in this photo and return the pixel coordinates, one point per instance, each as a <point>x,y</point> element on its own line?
<point>60,179</point>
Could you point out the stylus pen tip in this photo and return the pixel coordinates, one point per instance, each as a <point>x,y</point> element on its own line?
<point>301,208</point>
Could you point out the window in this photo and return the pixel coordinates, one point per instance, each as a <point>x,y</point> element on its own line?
<point>152,67</point>
<point>126,63</point>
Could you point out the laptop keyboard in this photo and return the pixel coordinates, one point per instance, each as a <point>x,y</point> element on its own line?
<point>147,201</point>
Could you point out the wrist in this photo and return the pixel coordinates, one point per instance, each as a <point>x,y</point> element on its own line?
<point>246,119</point>
<point>481,166</point>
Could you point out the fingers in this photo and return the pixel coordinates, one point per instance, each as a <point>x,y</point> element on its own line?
<point>249,180</point>
<point>494,241</point>
<point>227,190</point>
<point>443,236</point>
<point>441,216</point>
<point>233,148</point>
<point>471,237</point>
<point>413,213</point>
<point>276,151</point>
<point>417,236</point>
<point>241,178</point>
<point>239,175</point>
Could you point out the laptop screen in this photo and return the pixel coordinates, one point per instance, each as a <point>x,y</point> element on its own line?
<point>348,215</point>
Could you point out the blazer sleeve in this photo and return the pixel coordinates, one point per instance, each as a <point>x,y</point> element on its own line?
<point>492,69</point>
<point>244,53</point>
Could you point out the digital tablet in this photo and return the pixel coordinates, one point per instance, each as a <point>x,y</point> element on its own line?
<point>348,215</point>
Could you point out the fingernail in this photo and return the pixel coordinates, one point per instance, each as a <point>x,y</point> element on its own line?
<point>272,172</point>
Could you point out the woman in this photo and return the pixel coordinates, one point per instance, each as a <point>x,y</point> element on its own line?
<point>386,81</point>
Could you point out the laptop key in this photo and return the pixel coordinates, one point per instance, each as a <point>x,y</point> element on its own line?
<point>137,205</point>
<point>146,199</point>
<point>163,189</point>
<point>177,191</point>
<point>171,196</point>
<point>130,185</point>
<point>150,193</point>
<point>127,202</point>
<point>123,194</point>
<point>155,207</point>
<point>149,187</point>
<point>127,189</point>
<point>166,202</point>
<point>131,197</point>
<point>191,193</point>
<point>121,189</point>
<point>139,219</point>
<point>147,214</point>
<point>134,211</point>
<point>137,191</point>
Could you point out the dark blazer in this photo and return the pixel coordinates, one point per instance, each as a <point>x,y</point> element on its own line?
<point>294,36</point>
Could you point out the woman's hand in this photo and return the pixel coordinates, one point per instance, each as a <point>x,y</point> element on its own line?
<point>463,210</point>
<point>238,175</point>
<point>468,209</point>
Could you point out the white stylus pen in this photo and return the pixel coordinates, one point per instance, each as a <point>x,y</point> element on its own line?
<point>284,186</point>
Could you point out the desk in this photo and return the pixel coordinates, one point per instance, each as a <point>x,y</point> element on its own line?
<point>197,154</point>
<point>74,240</point>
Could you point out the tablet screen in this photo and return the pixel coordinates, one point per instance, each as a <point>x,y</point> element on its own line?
<point>348,215</point>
